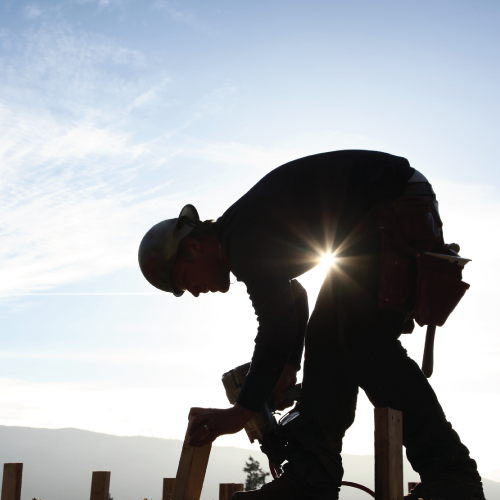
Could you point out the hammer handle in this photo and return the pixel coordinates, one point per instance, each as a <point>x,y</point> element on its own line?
<point>428,361</point>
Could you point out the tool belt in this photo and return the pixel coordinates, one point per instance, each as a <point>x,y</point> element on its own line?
<point>424,287</point>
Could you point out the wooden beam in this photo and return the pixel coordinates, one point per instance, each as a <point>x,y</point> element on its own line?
<point>12,481</point>
<point>168,487</point>
<point>192,467</point>
<point>100,485</point>
<point>226,490</point>
<point>388,454</point>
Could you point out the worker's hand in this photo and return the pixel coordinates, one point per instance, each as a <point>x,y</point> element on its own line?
<point>288,379</point>
<point>212,423</point>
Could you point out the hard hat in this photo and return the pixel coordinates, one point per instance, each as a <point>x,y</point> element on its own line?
<point>158,248</point>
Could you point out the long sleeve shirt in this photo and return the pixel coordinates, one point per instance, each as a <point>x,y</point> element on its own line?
<point>280,228</point>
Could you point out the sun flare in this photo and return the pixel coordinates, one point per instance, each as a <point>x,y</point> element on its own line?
<point>327,261</point>
<point>313,279</point>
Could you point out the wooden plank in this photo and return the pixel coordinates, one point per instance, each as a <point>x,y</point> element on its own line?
<point>226,490</point>
<point>168,487</point>
<point>192,467</point>
<point>12,481</point>
<point>388,454</point>
<point>100,485</point>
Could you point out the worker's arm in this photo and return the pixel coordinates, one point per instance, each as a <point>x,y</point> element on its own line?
<point>289,376</point>
<point>217,422</point>
<point>260,262</point>
<point>272,347</point>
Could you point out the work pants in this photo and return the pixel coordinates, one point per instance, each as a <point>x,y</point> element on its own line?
<point>351,343</point>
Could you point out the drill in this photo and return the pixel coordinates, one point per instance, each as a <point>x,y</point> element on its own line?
<point>271,434</point>
<point>264,427</point>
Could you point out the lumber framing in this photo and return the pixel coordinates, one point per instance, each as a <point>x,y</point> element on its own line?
<point>388,454</point>
<point>12,481</point>
<point>226,490</point>
<point>99,489</point>
<point>168,487</point>
<point>192,467</point>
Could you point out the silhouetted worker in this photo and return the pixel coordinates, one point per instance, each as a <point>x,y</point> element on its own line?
<point>326,203</point>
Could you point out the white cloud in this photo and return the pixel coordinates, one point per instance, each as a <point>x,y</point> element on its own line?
<point>32,11</point>
<point>149,95</point>
<point>67,70</point>
<point>70,209</point>
<point>188,17</point>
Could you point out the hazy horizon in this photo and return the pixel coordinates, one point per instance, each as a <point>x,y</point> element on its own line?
<point>62,460</point>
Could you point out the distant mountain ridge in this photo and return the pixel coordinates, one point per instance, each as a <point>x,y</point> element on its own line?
<point>58,465</point>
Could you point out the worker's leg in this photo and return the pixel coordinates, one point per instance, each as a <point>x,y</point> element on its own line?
<point>390,378</point>
<point>328,405</point>
<point>354,342</point>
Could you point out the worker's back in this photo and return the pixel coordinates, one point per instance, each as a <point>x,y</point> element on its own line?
<point>309,205</point>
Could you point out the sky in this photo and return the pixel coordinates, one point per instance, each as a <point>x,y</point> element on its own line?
<point>116,113</point>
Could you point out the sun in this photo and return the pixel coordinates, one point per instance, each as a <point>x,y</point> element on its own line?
<point>326,262</point>
<point>313,279</point>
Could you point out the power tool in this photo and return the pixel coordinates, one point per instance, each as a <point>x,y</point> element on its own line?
<point>264,427</point>
<point>271,434</point>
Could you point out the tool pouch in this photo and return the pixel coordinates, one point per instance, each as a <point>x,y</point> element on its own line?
<point>408,225</point>
<point>439,289</point>
<point>411,281</point>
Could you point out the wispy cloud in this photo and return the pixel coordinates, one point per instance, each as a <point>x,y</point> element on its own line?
<point>149,95</point>
<point>76,185</point>
<point>68,186</point>
<point>58,68</point>
<point>185,16</point>
<point>69,207</point>
<point>32,11</point>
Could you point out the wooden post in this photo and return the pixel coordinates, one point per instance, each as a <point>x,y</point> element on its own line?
<point>388,454</point>
<point>100,485</point>
<point>12,481</point>
<point>168,486</point>
<point>192,467</point>
<point>226,490</point>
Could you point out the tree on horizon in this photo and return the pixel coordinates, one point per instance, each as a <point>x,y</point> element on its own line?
<point>256,477</point>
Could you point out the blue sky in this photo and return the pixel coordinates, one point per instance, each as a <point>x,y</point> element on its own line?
<point>114,114</point>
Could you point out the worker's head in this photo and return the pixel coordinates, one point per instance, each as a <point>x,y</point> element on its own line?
<point>200,266</point>
<point>184,254</point>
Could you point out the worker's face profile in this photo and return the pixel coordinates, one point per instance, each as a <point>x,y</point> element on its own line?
<point>202,273</point>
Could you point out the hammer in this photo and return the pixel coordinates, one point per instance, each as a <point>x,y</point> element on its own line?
<point>428,359</point>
